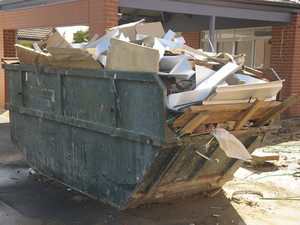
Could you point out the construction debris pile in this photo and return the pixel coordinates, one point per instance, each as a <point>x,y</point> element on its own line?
<point>205,90</point>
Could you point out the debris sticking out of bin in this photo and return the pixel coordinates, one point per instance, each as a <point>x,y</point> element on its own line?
<point>193,78</point>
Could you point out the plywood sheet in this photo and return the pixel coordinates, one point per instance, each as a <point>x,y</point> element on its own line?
<point>131,57</point>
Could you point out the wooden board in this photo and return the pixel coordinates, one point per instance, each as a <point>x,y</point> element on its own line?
<point>65,51</point>
<point>194,123</point>
<point>57,41</point>
<point>277,110</point>
<point>247,115</point>
<point>30,56</point>
<point>222,113</point>
<point>127,56</point>
<point>10,60</point>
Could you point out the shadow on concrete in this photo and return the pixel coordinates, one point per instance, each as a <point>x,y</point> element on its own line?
<point>45,201</point>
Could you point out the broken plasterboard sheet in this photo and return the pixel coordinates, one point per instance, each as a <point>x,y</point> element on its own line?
<point>232,147</point>
<point>93,39</point>
<point>158,46</point>
<point>169,35</point>
<point>81,46</point>
<point>141,37</point>
<point>180,40</point>
<point>183,67</point>
<point>202,91</point>
<point>169,62</point>
<point>112,34</point>
<point>131,57</point>
<point>247,91</point>
<point>202,73</point>
<point>55,40</point>
<point>170,44</point>
<point>103,45</point>
<point>248,79</point>
<point>151,29</point>
<point>174,65</point>
<point>127,29</point>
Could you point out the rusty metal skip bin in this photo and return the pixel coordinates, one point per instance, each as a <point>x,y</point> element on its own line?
<point>105,134</point>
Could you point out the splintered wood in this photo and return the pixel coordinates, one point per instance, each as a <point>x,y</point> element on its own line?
<point>214,114</point>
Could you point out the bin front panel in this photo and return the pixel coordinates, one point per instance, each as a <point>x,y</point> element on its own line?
<point>140,107</point>
<point>89,99</point>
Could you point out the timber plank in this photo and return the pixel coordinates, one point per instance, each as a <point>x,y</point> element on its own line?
<point>194,123</point>
<point>226,112</point>
<point>247,115</point>
<point>276,111</point>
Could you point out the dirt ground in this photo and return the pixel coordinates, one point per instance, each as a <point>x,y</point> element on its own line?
<point>27,199</point>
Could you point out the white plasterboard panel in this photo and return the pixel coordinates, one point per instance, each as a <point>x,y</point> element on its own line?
<point>169,62</point>
<point>169,35</point>
<point>141,36</point>
<point>170,44</point>
<point>127,29</point>
<point>109,35</point>
<point>128,56</point>
<point>187,97</point>
<point>158,46</point>
<point>249,79</point>
<point>104,45</point>
<point>202,73</point>
<point>102,59</point>
<point>132,24</point>
<point>152,29</point>
<point>180,40</point>
<point>91,42</point>
<point>219,76</point>
<point>101,47</point>
<point>183,67</point>
<point>202,91</point>
<point>234,92</point>
<point>82,46</point>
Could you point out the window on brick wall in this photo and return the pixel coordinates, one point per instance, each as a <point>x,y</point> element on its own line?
<point>251,41</point>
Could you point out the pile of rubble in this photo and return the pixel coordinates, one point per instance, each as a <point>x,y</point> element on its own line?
<point>211,89</point>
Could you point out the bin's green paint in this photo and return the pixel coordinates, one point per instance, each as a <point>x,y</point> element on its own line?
<point>103,132</point>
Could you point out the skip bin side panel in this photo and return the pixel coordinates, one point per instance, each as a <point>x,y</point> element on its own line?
<point>105,167</point>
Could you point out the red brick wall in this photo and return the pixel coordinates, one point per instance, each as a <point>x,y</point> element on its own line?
<point>9,39</point>
<point>98,14</point>
<point>285,59</point>
<point>192,38</point>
